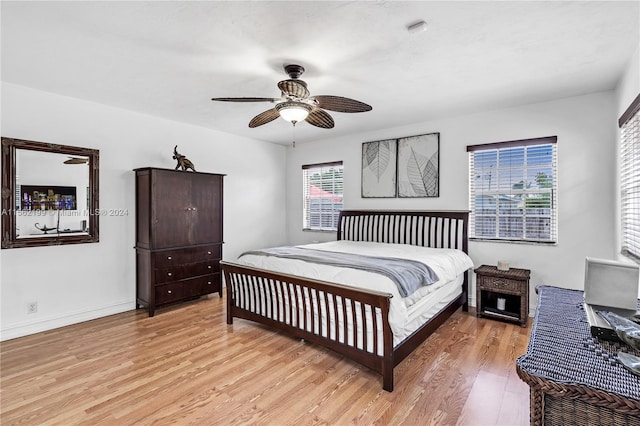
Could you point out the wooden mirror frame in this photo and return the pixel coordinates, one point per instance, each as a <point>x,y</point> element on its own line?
<point>9,238</point>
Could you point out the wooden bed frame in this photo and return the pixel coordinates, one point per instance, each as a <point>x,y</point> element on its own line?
<point>294,304</point>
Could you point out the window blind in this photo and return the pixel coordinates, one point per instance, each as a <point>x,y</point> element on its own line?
<point>630,180</point>
<point>322,195</point>
<point>513,190</point>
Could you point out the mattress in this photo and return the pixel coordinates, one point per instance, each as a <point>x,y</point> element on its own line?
<point>405,314</point>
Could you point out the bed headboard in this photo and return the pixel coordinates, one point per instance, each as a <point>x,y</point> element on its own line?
<point>438,229</point>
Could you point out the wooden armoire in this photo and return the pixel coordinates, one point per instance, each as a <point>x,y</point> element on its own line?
<point>178,236</point>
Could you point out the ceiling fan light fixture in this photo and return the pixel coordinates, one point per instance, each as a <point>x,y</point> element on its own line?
<point>293,111</point>
<point>296,104</point>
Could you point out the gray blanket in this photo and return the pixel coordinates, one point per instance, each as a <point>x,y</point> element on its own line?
<point>408,275</point>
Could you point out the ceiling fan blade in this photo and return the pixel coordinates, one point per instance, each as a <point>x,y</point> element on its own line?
<point>340,104</point>
<point>76,160</point>
<point>320,118</point>
<point>296,88</point>
<point>264,117</point>
<point>246,99</point>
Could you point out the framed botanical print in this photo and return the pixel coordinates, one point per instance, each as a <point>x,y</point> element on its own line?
<point>418,166</point>
<point>379,169</point>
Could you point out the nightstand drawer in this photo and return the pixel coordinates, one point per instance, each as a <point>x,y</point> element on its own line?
<point>502,294</point>
<point>489,283</point>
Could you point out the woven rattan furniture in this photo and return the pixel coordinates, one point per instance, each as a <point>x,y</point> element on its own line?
<point>575,379</point>
<point>513,285</point>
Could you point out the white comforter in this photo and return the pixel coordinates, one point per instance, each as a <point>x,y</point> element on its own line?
<point>448,264</point>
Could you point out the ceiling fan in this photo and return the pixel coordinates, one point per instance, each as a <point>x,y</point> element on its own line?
<point>296,103</point>
<point>76,160</point>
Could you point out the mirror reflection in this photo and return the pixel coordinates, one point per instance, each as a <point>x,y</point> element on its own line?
<point>52,194</point>
<point>49,194</point>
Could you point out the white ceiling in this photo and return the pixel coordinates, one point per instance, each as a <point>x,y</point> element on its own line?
<point>169,58</point>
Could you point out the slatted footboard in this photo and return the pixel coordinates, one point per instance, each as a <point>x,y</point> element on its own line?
<point>348,321</point>
<point>353,322</point>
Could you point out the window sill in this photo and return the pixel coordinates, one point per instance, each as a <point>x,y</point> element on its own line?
<point>324,231</point>
<point>631,256</point>
<point>528,242</point>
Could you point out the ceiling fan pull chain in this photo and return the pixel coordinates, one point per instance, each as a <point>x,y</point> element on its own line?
<point>294,134</point>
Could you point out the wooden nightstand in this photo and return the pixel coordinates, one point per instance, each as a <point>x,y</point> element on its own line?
<point>511,285</point>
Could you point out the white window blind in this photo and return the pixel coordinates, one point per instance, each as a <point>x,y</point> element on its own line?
<point>513,190</point>
<point>322,191</point>
<point>630,180</point>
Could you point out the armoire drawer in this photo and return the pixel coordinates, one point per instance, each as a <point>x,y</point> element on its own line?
<point>169,293</point>
<point>211,283</point>
<point>170,274</point>
<point>204,268</point>
<point>185,289</point>
<point>202,285</point>
<point>168,258</point>
<point>189,270</point>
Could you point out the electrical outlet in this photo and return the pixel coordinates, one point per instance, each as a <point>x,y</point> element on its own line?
<point>32,307</point>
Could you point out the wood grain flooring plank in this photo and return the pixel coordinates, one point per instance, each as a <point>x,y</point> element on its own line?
<point>185,365</point>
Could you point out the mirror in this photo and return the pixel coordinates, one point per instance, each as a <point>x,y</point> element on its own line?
<point>49,194</point>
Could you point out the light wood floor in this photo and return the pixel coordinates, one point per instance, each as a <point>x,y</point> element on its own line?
<point>186,366</point>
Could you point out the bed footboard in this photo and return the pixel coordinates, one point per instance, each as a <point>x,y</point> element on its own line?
<point>349,321</point>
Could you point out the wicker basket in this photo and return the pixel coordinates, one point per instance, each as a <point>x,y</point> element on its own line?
<point>574,377</point>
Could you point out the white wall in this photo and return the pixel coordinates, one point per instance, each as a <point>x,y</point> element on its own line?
<point>586,182</point>
<point>629,85</point>
<point>627,90</point>
<point>80,282</point>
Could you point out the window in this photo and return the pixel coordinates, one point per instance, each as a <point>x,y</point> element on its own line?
<point>322,191</point>
<point>629,124</point>
<point>512,190</point>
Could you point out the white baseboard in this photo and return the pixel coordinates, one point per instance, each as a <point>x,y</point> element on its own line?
<point>45,324</point>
